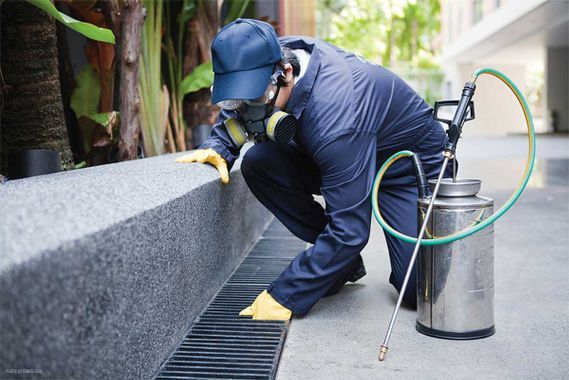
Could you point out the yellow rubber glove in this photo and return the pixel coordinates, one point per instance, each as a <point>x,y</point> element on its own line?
<point>209,156</point>
<point>265,307</point>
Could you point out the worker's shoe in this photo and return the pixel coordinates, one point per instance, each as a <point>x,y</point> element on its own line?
<point>357,271</point>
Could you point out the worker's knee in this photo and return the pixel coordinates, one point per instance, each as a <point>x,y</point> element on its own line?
<point>253,160</point>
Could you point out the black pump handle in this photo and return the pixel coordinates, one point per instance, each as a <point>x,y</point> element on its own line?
<point>455,128</point>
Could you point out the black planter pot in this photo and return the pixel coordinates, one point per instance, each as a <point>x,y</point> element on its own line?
<point>28,163</point>
<point>200,133</point>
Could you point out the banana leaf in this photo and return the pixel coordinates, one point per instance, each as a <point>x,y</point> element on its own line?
<point>85,97</point>
<point>200,77</point>
<point>88,30</point>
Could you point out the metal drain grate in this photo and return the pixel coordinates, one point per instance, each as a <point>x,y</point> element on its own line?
<point>222,345</point>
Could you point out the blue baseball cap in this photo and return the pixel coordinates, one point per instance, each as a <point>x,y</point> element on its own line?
<point>244,54</point>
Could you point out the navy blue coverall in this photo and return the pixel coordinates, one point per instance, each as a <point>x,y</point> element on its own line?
<point>352,116</point>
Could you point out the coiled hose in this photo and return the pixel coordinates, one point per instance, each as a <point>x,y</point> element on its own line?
<point>478,225</point>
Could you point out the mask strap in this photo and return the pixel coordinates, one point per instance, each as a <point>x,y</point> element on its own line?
<point>271,105</point>
<point>276,75</point>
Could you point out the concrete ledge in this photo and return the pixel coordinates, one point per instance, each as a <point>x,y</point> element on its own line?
<point>102,269</point>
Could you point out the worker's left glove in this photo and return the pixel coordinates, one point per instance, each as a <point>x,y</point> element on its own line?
<point>209,156</point>
<point>265,307</point>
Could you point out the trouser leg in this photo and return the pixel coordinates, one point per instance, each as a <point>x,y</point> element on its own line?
<point>284,180</point>
<point>398,204</point>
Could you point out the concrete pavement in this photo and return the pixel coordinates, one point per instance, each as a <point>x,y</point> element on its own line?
<point>340,338</point>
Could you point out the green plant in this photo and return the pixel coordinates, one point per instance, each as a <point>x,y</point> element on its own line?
<point>100,55</point>
<point>88,30</point>
<point>154,98</point>
<point>92,99</point>
<point>178,85</point>
<point>175,59</point>
<point>85,97</point>
<point>399,34</point>
<point>99,129</point>
<point>201,77</point>
<point>38,26</point>
<point>236,10</point>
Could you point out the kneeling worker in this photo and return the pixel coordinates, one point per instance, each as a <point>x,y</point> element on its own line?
<point>324,120</point>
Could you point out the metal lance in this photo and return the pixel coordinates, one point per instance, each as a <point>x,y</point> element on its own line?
<point>384,346</point>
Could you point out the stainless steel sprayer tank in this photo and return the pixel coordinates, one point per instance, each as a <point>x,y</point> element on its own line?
<point>455,281</point>
<point>455,242</point>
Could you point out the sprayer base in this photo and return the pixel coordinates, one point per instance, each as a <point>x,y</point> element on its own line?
<point>476,334</point>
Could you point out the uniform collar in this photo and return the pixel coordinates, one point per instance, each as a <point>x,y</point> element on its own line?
<point>301,91</point>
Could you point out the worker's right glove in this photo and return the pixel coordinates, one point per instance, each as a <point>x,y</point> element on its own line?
<point>265,307</point>
<point>209,156</point>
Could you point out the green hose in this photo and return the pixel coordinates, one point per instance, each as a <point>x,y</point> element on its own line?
<point>501,211</point>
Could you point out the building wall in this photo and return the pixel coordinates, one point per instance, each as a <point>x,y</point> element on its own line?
<point>298,17</point>
<point>459,16</point>
<point>469,29</point>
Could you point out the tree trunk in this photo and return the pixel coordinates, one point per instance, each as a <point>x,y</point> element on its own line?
<point>114,13</point>
<point>112,9</point>
<point>33,116</point>
<point>130,101</point>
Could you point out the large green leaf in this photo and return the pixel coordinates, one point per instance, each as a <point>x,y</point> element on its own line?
<point>88,30</point>
<point>85,97</point>
<point>236,10</point>
<point>201,77</point>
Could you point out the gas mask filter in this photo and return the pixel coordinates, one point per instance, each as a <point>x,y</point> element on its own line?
<point>259,119</point>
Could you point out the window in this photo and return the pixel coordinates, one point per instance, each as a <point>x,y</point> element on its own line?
<point>476,11</point>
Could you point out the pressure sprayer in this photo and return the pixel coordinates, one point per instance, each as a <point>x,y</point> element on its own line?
<point>455,281</point>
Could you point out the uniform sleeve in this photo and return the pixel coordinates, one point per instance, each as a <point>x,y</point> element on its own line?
<point>348,166</point>
<point>348,169</point>
<point>221,142</point>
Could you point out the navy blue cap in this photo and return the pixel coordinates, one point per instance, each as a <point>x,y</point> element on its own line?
<point>244,53</point>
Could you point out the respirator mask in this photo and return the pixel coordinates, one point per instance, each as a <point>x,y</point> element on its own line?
<point>259,118</point>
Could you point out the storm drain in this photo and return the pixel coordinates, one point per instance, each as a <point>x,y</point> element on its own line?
<point>222,345</point>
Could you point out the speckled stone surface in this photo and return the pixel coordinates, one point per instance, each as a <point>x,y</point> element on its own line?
<point>103,269</point>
